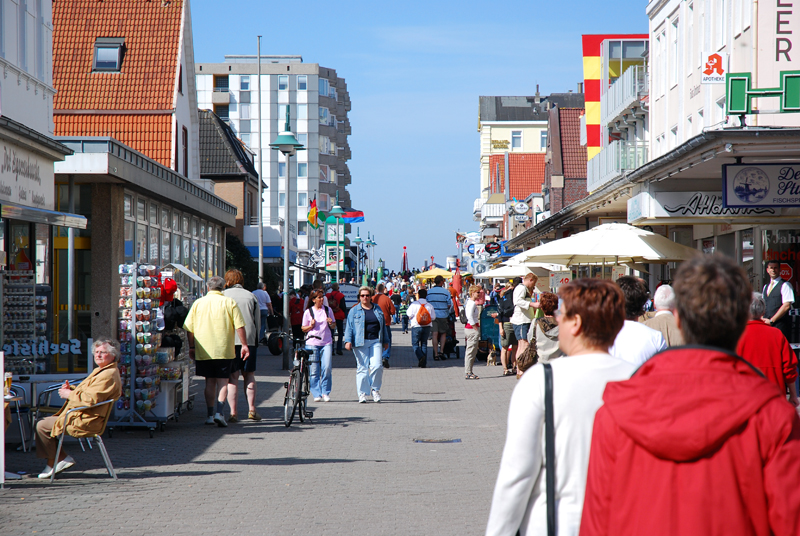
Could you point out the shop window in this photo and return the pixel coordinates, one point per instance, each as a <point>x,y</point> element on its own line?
<point>210,233</point>
<point>176,249</point>
<point>165,219</point>
<point>165,247</point>
<point>782,246</point>
<point>194,256</point>
<point>128,204</point>
<point>203,261</point>
<point>302,82</point>
<point>42,254</point>
<point>141,213</point>
<point>153,254</point>
<point>141,243</point>
<point>186,225</point>
<point>202,230</point>
<point>176,222</point>
<point>194,227</point>
<point>186,252</point>
<point>153,215</point>
<point>128,242</point>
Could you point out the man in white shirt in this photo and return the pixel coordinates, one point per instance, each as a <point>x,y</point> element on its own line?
<point>635,343</point>
<point>779,296</point>
<point>420,334</point>
<point>524,310</point>
<point>265,306</point>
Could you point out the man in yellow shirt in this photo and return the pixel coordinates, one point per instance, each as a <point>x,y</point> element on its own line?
<point>213,322</point>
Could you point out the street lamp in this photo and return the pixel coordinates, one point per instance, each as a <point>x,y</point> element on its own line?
<point>338,212</point>
<point>370,261</point>
<point>358,241</point>
<point>287,144</point>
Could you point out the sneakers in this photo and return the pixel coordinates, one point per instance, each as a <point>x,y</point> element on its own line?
<point>317,399</point>
<point>362,398</point>
<point>376,395</point>
<point>63,465</point>
<point>254,416</point>
<point>219,418</point>
<point>326,398</point>
<point>386,363</point>
<point>233,418</point>
<point>210,420</point>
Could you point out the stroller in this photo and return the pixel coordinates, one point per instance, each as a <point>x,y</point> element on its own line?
<point>451,343</point>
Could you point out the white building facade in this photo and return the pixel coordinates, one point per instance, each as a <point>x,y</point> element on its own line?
<point>318,102</point>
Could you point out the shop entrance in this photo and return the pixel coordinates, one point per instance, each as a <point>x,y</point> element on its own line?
<point>83,322</point>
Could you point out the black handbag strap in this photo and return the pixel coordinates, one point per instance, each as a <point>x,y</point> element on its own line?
<point>550,449</point>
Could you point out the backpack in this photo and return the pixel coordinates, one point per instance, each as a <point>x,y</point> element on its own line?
<point>333,302</point>
<point>423,316</point>
<point>505,305</point>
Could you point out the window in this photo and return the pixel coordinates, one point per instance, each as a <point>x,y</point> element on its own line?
<point>153,215</point>
<point>108,52</point>
<point>673,54</point>
<point>689,129</point>
<point>302,170</point>
<point>323,173</point>
<point>165,219</point>
<point>302,228</point>
<point>332,121</point>
<point>747,15</point>
<point>185,225</point>
<point>516,139</point>
<point>332,176</point>
<point>185,152</point>
<point>245,139</point>
<point>701,42</point>
<point>673,137</point>
<point>324,202</point>
<point>129,241</point>
<point>221,82</point>
<point>244,83</point>
<point>303,138</point>
<point>222,110</point>
<point>324,115</point>
<point>543,139</point>
<point>721,25</point>
<point>176,222</point>
<point>180,79</point>
<point>282,114</point>
<point>690,39</point>
<point>719,111</point>
<point>244,111</point>
<point>128,204</point>
<point>244,126</point>
<point>281,169</point>
<point>700,121</point>
<point>302,199</point>
<point>302,82</point>
<point>281,199</point>
<point>141,215</point>
<point>302,111</point>
<point>324,87</point>
<point>165,247</point>
<point>283,82</point>
<point>324,145</point>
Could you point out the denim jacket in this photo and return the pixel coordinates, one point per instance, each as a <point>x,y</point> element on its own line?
<point>354,328</point>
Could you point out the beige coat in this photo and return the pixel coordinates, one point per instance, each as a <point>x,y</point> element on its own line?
<point>665,323</point>
<point>101,385</point>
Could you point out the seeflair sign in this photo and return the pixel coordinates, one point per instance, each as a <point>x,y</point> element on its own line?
<point>761,185</point>
<point>26,178</point>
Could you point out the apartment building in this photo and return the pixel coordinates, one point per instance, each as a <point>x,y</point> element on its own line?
<point>318,102</point>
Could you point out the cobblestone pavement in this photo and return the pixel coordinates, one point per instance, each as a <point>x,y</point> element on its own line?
<point>354,469</point>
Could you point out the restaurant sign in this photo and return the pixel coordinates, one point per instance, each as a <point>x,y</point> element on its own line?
<point>673,206</point>
<point>761,185</point>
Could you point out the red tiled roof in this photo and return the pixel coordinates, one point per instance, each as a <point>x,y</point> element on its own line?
<point>572,153</point>
<point>152,34</point>
<point>526,173</point>
<point>148,134</point>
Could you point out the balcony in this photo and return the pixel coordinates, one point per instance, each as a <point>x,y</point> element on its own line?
<point>624,94</point>
<point>614,161</point>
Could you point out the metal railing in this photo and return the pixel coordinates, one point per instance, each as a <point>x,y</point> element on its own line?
<point>614,161</point>
<point>624,93</point>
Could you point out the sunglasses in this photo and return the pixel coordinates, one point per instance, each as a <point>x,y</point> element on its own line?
<point>364,296</point>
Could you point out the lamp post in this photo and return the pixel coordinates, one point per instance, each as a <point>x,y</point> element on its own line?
<point>338,212</point>
<point>370,261</point>
<point>358,241</point>
<point>287,144</point>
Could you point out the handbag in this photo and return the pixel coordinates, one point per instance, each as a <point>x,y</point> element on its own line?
<point>549,450</point>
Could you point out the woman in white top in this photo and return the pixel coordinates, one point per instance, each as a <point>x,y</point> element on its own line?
<point>590,316</point>
<point>473,332</point>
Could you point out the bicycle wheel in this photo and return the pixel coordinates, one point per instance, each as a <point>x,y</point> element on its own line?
<point>303,395</point>
<point>292,398</point>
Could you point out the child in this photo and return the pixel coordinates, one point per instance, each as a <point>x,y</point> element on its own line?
<point>402,312</point>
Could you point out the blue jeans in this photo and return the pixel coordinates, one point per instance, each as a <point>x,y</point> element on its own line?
<point>419,341</point>
<point>263,331</point>
<point>369,368</point>
<point>319,381</point>
<point>387,337</point>
<point>405,323</point>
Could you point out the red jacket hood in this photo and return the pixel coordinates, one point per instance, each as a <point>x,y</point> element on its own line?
<point>684,403</point>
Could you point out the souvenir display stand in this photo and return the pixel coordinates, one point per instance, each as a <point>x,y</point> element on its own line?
<point>21,321</point>
<point>151,377</point>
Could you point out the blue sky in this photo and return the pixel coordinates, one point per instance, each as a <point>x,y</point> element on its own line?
<point>415,71</point>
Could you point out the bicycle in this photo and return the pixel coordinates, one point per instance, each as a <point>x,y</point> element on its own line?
<point>297,387</point>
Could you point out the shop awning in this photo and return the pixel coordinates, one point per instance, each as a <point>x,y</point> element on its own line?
<point>184,270</point>
<point>40,215</point>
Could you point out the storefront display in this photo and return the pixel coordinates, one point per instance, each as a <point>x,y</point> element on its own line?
<point>151,377</point>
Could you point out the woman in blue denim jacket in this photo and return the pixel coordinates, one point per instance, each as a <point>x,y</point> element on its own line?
<point>363,335</point>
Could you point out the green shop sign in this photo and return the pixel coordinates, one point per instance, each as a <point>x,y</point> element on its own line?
<point>739,93</point>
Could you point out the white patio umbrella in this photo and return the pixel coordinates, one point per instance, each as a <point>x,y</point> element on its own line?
<point>520,270</point>
<point>609,243</point>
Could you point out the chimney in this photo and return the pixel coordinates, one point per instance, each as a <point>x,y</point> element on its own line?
<point>537,99</point>
<point>580,87</point>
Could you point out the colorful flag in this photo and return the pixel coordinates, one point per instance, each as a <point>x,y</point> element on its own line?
<point>313,214</point>
<point>352,216</point>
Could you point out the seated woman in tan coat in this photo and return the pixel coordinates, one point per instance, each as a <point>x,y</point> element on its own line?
<point>101,385</point>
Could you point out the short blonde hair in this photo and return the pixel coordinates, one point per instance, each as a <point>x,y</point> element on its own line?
<point>368,289</point>
<point>474,288</point>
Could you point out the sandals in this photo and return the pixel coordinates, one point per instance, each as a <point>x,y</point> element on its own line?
<point>508,372</point>
<point>472,376</point>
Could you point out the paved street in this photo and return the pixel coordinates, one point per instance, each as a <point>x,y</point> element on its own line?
<point>355,469</point>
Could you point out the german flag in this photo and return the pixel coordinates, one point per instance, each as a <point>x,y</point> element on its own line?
<point>313,214</point>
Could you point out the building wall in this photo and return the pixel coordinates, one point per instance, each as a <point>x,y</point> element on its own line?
<point>233,193</point>
<point>683,33</point>
<point>185,104</point>
<point>107,232</point>
<point>497,139</point>
<point>26,93</point>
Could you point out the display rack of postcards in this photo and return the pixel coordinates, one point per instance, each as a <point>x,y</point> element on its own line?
<point>140,323</point>
<point>19,326</point>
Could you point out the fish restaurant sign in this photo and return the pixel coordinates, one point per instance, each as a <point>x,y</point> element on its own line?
<point>761,185</point>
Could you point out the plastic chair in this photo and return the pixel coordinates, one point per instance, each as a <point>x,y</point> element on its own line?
<point>19,410</point>
<point>106,459</point>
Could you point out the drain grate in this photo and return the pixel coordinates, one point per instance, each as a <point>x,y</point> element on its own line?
<point>436,440</point>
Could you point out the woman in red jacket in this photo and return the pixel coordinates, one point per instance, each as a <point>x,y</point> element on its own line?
<point>697,442</point>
